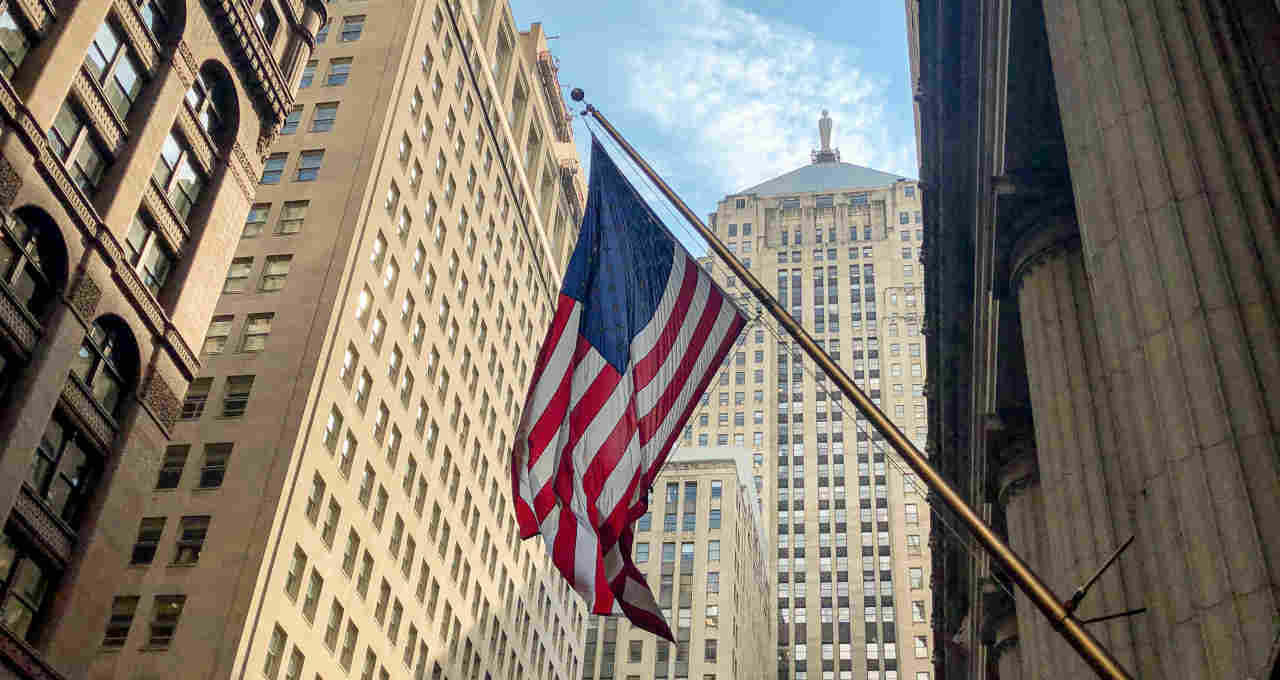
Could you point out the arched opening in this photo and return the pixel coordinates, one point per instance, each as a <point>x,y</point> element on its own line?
<point>33,260</point>
<point>107,363</point>
<point>212,100</point>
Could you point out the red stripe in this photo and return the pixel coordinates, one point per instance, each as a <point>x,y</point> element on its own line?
<point>609,455</point>
<point>564,310</point>
<point>563,553</point>
<point>721,351</point>
<point>589,406</point>
<point>542,432</point>
<point>647,367</point>
<point>653,419</point>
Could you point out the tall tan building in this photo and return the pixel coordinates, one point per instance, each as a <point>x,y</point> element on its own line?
<point>707,561</point>
<point>131,136</point>
<point>840,244</point>
<point>1104,190</point>
<point>335,498</point>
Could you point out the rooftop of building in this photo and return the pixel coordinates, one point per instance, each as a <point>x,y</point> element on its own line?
<point>825,174</point>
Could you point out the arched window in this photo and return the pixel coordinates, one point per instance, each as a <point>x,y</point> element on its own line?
<point>177,176</point>
<point>32,260</point>
<point>107,363</point>
<point>212,100</point>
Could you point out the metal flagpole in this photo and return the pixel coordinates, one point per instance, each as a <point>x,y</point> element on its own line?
<point>1060,617</point>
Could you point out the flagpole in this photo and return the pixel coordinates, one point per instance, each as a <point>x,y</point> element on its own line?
<point>1062,619</point>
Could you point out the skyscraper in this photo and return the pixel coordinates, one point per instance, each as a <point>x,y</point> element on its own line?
<point>133,134</point>
<point>335,499</point>
<point>841,245</point>
<point>715,594</point>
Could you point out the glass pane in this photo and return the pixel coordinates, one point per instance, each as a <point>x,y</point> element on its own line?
<point>107,390</point>
<point>102,50</point>
<point>127,84</point>
<point>90,165</point>
<point>13,45</point>
<point>17,617</point>
<point>83,364</point>
<point>169,154</point>
<point>65,128</point>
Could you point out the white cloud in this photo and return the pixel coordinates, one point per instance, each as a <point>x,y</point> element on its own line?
<point>743,94</point>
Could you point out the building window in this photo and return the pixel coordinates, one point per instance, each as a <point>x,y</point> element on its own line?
<point>916,577</point>
<point>308,74</point>
<point>215,465</point>
<point>273,168</point>
<point>77,148</point>
<point>323,34</point>
<point>106,363</point>
<point>147,252</point>
<point>26,583</point>
<point>275,653</point>
<point>713,582</point>
<point>119,622</point>
<point>291,121</point>
<point>713,551</point>
<point>274,273</point>
<point>191,535</point>
<point>164,619</point>
<point>268,21</point>
<point>14,44</point>
<point>177,176</point>
<point>352,27</point>
<point>114,68</point>
<point>309,165</point>
<point>715,519</point>
<point>215,340</point>
<point>641,553</point>
<point>175,459</point>
<point>31,260</point>
<point>238,275</point>
<point>339,71</point>
<point>323,117</point>
<point>197,395</point>
<point>149,532</point>
<point>236,399</point>
<point>257,218</point>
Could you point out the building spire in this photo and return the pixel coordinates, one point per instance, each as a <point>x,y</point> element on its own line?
<point>825,154</point>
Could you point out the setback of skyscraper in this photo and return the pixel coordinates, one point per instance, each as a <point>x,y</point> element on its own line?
<point>706,558</point>
<point>840,245</point>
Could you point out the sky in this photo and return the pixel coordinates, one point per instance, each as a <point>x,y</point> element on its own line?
<point>720,95</point>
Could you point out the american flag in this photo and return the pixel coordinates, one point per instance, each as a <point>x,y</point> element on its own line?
<point>639,331</point>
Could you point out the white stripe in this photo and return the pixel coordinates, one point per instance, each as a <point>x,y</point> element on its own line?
<point>557,366</point>
<point>703,365</point>
<point>588,367</point>
<point>651,393</point>
<point>648,336</point>
<point>632,462</point>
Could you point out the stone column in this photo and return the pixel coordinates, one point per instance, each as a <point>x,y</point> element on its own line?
<point>1173,159</point>
<point>1018,494</point>
<point>1083,487</point>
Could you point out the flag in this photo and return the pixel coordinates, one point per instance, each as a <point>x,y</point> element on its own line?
<point>639,331</point>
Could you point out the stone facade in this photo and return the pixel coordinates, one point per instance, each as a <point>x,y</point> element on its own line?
<point>113,182</point>
<point>343,453</point>
<point>1102,190</point>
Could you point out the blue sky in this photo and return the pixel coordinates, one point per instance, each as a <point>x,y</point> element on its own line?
<point>719,95</point>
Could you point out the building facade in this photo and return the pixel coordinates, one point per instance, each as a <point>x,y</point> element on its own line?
<point>131,139</point>
<point>334,499</point>
<point>1101,313</point>
<point>840,245</point>
<point>716,594</point>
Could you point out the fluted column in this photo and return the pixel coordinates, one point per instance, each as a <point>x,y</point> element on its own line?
<point>1085,485</point>
<point>1174,168</point>
<point>1000,633</point>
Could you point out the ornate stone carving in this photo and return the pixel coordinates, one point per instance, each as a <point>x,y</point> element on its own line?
<point>10,183</point>
<point>141,297</point>
<point>38,13</point>
<point>84,299</point>
<point>47,530</point>
<point>20,326</point>
<point>244,170</point>
<point>252,55</point>
<point>181,353</point>
<point>174,229</point>
<point>105,122</point>
<point>109,246</point>
<point>139,37</point>
<point>24,659</point>
<point>76,399</point>
<point>161,401</point>
<point>184,64</point>
<point>266,139</point>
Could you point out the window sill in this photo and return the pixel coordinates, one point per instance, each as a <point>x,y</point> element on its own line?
<point>182,565</point>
